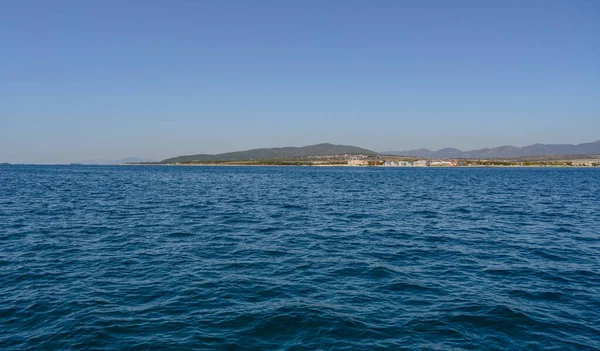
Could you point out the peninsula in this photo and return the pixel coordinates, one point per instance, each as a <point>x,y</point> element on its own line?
<point>319,154</point>
<point>327,154</point>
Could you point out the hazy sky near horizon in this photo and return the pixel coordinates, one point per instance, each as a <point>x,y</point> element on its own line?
<point>110,79</point>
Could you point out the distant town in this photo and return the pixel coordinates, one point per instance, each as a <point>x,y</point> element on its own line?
<point>364,161</point>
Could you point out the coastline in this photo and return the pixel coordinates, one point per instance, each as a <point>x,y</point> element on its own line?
<point>366,167</point>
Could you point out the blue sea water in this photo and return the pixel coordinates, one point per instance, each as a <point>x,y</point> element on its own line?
<point>299,258</point>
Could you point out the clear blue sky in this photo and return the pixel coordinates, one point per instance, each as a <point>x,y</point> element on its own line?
<point>110,79</point>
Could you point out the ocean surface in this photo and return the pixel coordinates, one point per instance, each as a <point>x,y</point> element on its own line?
<point>298,258</point>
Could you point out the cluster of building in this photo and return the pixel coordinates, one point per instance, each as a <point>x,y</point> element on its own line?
<point>446,163</point>
<point>585,163</point>
<point>417,163</point>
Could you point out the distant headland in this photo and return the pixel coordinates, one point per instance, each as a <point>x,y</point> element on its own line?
<point>326,154</point>
<point>310,151</point>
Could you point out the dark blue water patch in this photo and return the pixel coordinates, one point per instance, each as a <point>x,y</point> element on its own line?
<point>299,258</point>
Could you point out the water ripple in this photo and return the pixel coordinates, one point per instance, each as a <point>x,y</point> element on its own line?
<point>299,258</point>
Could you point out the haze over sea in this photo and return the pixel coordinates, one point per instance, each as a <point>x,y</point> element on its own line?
<point>298,258</point>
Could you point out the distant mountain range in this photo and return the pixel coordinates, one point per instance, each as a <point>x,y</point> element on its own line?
<point>506,151</point>
<point>275,153</point>
<point>116,162</point>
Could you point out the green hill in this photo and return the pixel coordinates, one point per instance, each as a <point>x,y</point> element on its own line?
<point>274,153</point>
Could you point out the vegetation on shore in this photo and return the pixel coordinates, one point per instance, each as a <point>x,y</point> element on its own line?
<point>268,162</point>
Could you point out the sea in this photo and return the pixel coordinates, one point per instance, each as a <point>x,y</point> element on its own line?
<point>299,258</point>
